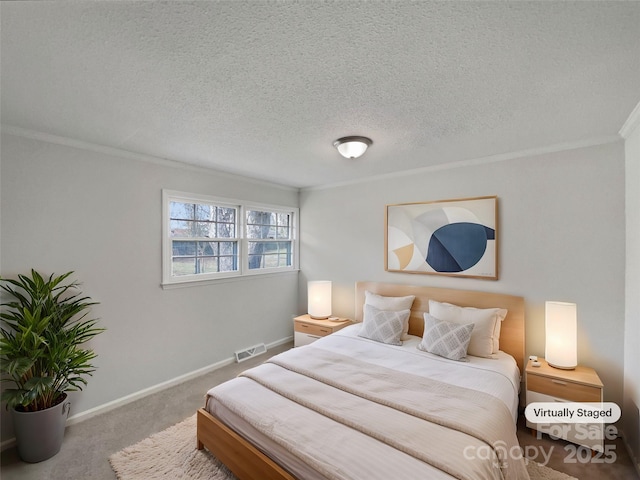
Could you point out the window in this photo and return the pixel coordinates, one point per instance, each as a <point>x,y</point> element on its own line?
<point>207,238</point>
<point>269,239</point>
<point>203,238</point>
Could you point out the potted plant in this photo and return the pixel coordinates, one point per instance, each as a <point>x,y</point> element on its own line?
<point>44,327</point>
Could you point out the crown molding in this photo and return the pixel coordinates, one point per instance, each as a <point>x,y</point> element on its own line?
<point>632,122</point>
<point>502,157</point>
<point>140,157</point>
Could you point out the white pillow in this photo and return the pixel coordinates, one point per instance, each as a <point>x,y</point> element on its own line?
<point>383,325</point>
<point>485,338</point>
<point>392,304</point>
<point>446,339</point>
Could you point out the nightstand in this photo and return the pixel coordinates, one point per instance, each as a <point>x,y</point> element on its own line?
<point>307,330</point>
<point>549,384</point>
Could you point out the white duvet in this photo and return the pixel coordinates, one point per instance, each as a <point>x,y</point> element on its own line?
<point>314,443</point>
<point>499,376</point>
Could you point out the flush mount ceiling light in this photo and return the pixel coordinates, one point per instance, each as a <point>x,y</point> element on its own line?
<point>352,147</point>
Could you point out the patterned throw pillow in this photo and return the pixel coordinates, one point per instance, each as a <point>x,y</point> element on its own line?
<point>446,339</point>
<point>395,304</point>
<point>383,325</point>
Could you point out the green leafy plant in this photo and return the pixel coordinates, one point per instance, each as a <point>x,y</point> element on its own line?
<point>43,329</point>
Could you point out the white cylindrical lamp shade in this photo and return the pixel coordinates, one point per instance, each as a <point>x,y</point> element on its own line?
<point>319,299</point>
<point>561,334</point>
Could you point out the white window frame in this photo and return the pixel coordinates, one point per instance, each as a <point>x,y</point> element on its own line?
<point>169,280</point>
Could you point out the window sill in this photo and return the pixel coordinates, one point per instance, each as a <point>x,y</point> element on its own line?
<point>231,279</point>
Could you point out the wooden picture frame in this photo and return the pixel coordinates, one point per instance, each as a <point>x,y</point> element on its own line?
<point>457,238</point>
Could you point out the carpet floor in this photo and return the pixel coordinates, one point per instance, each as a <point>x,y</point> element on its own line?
<point>172,454</point>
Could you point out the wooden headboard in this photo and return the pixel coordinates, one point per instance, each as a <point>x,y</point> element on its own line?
<point>511,333</point>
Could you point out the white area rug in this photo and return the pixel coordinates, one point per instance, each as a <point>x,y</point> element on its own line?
<point>171,454</point>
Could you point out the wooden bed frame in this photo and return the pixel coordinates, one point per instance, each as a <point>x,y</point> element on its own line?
<point>249,463</point>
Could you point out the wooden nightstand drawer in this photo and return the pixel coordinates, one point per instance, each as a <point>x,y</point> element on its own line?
<point>316,330</point>
<point>563,389</point>
<point>306,329</point>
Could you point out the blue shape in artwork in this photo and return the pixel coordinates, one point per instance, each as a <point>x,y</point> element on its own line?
<point>458,246</point>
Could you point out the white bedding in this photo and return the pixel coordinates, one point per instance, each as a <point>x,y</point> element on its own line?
<point>340,447</point>
<point>498,376</point>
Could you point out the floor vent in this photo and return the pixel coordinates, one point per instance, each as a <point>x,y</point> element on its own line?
<point>245,354</point>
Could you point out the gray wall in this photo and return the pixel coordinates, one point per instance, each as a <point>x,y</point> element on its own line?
<point>561,231</point>
<point>99,214</point>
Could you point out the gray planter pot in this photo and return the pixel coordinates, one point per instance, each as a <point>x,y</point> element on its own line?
<point>39,434</point>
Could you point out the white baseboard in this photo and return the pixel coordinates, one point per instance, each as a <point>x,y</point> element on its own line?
<point>119,402</point>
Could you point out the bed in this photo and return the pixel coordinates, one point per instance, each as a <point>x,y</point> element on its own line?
<point>349,406</point>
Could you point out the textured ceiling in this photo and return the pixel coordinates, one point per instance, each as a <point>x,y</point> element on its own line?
<point>263,88</point>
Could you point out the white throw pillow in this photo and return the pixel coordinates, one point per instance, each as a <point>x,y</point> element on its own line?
<point>485,338</point>
<point>383,325</point>
<point>392,304</point>
<point>446,339</point>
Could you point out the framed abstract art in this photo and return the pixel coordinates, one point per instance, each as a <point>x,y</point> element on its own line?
<point>446,237</point>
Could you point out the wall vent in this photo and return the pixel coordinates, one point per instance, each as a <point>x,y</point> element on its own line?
<point>245,354</point>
